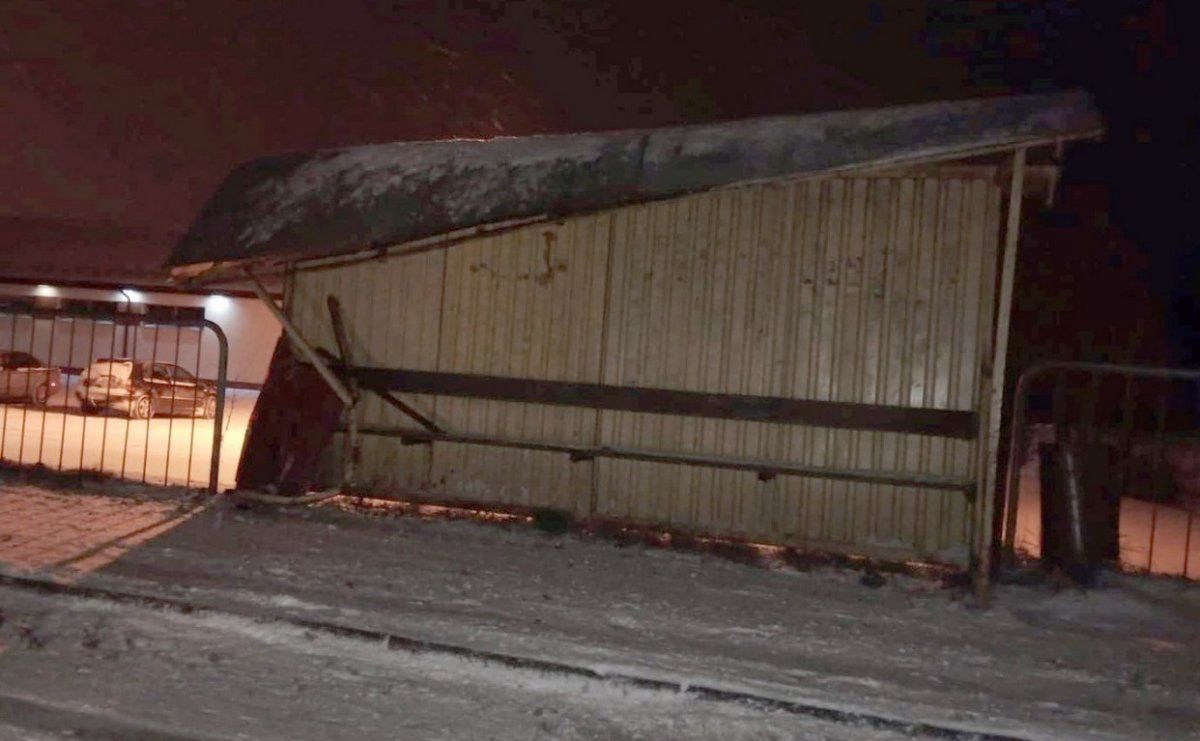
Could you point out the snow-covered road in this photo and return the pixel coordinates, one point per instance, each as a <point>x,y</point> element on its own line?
<point>1114,663</point>
<point>116,670</point>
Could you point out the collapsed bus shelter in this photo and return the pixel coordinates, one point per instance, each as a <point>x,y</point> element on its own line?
<point>788,329</point>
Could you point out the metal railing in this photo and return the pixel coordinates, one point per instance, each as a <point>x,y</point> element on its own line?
<point>1139,427</point>
<point>154,413</point>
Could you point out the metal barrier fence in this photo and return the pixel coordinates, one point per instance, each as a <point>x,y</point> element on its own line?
<point>1135,436</point>
<point>139,395</point>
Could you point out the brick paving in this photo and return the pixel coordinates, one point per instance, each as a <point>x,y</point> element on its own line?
<point>72,533</point>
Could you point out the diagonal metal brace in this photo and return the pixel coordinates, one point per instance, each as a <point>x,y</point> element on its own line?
<point>406,408</point>
<point>300,343</point>
<point>343,342</point>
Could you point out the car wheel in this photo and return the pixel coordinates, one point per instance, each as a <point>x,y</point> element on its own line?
<point>208,409</point>
<point>40,395</point>
<point>88,407</point>
<point>141,407</point>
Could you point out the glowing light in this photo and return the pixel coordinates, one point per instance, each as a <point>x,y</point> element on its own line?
<point>217,304</point>
<point>45,291</point>
<point>131,296</point>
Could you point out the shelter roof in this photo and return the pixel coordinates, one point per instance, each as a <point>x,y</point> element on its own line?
<point>346,200</point>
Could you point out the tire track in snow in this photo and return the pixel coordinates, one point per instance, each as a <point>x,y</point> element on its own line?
<point>396,642</point>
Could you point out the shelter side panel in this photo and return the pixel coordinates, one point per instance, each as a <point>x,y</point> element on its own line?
<point>525,304</point>
<point>391,309</point>
<point>858,290</point>
<point>850,290</point>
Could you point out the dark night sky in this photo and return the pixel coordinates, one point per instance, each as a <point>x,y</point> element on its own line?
<point>131,112</point>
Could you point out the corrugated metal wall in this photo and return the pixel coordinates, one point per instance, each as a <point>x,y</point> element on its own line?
<point>872,290</point>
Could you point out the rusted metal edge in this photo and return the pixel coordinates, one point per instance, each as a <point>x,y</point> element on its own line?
<point>832,414</point>
<point>766,469</point>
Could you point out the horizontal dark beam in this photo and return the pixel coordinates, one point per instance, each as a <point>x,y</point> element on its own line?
<point>766,470</point>
<point>167,288</point>
<point>101,311</point>
<point>841,415</point>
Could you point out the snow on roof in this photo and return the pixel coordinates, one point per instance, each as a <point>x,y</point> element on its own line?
<point>338,201</point>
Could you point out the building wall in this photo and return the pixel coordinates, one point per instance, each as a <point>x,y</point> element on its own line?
<point>250,328</point>
<point>871,290</point>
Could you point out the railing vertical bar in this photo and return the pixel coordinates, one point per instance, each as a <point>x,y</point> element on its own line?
<point>1187,543</point>
<point>171,411</point>
<point>28,381</point>
<point>49,361</point>
<point>1059,405</point>
<point>149,422</point>
<point>1160,423</point>
<point>8,387</point>
<point>1061,416</point>
<point>1087,414</point>
<point>91,355</point>
<point>129,423</point>
<point>214,470</point>
<point>1187,537</point>
<point>1017,444</point>
<point>1123,475</point>
<point>196,397</point>
<point>108,397</point>
<point>62,441</point>
<point>1128,410</point>
<point>1187,540</point>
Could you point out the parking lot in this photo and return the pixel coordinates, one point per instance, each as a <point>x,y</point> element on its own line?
<point>171,450</point>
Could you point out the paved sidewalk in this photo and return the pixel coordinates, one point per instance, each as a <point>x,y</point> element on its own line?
<point>1113,663</point>
<point>71,532</point>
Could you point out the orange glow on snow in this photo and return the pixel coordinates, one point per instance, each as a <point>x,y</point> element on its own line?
<point>1138,517</point>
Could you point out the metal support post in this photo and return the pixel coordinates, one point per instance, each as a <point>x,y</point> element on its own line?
<point>990,436</point>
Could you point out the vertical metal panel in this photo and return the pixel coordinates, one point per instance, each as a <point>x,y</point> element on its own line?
<point>843,290</point>
<point>872,290</point>
<point>392,312</point>
<point>526,303</point>
<point>530,304</point>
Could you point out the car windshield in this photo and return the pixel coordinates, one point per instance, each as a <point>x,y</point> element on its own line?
<point>121,369</point>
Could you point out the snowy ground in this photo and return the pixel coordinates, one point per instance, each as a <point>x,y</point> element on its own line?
<point>165,450</point>
<point>226,676</point>
<point>258,654</point>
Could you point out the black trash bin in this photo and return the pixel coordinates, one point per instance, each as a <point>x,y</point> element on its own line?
<point>1080,505</point>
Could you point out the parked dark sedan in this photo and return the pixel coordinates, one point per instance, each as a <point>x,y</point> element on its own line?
<point>25,378</point>
<point>143,389</point>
